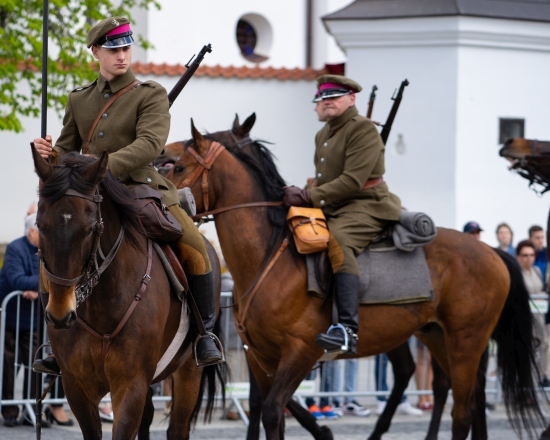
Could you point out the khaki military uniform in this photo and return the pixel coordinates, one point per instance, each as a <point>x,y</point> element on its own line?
<point>133,130</point>
<point>348,153</point>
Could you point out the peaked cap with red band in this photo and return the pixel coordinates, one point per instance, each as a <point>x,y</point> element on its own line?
<point>111,32</point>
<point>333,86</point>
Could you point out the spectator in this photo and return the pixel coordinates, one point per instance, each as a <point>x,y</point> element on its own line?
<point>380,376</point>
<point>473,229</point>
<point>20,272</point>
<point>504,238</point>
<point>536,236</point>
<point>351,406</point>
<point>423,376</point>
<point>323,411</point>
<point>532,276</point>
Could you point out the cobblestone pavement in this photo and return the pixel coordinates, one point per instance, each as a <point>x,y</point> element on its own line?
<point>346,428</point>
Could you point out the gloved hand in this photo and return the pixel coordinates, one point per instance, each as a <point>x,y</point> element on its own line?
<point>295,196</point>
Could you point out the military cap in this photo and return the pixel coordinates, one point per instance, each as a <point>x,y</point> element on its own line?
<point>111,32</point>
<point>332,86</point>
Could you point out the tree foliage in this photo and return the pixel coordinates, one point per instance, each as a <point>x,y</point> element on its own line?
<point>70,63</point>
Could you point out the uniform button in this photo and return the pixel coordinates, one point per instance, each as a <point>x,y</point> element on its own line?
<point>104,115</point>
<point>319,175</point>
<point>106,96</point>
<point>149,180</point>
<point>100,134</point>
<point>322,159</point>
<point>325,144</point>
<point>322,202</point>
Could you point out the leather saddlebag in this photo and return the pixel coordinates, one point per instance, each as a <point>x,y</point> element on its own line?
<point>309,227</point>
<point>158,222</point>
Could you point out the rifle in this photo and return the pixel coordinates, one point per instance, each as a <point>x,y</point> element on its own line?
<point>191,68</point>
<point>371,101</point>
<point>396,101</point>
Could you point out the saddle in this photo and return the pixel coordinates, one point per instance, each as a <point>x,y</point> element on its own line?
<point>387,273</point>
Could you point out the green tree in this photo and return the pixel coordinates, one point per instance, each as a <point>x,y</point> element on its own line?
<point>21,51</point>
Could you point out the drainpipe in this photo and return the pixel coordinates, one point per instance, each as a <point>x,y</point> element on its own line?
<point>309,32</point>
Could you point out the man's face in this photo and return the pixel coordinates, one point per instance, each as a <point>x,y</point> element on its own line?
<point>113,62</point>
<point>476,234</point>
<point>331,108</point>
<point>537,238</point>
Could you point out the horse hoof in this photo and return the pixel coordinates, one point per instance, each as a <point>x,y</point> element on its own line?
<point>326,434</point>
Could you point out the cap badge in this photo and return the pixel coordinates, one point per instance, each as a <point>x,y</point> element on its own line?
<point>114,22</point>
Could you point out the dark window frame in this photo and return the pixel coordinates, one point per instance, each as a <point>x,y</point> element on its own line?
<point>510,128</point>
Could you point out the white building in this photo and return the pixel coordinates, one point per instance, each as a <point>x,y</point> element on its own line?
<point>468,63</point>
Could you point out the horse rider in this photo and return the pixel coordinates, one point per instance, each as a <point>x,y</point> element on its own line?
<point>349,187</point>
<point>134,130</point>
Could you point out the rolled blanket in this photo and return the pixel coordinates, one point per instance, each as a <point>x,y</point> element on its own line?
<point>414,229</point>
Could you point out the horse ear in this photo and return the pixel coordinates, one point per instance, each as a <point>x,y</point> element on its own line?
<point>236,124</point>
<point>96,171</point>
<point>242,130</point>
<point>42,167</point>
<point>197,137</point>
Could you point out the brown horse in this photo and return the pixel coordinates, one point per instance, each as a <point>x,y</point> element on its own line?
<point>472,285</point>
<point>129,316</point>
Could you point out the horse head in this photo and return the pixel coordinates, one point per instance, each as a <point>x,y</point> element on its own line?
<point>69,222</point>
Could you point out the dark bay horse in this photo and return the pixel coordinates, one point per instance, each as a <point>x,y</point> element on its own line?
<point>86,216</point>
<point>474,292</point>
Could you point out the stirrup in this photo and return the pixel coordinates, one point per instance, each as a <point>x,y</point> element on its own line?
<point>345,347</point>
<point>218,345</point>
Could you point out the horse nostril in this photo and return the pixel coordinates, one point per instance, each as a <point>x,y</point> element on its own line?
<point>71,319</point>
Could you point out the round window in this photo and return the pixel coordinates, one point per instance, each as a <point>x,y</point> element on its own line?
<point>254,37</point>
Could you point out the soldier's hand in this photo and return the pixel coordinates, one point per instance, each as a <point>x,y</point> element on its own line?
<point>295,196</point>
<point>43,146</point>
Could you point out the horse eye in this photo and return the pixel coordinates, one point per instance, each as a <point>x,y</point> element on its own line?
<point>178,169</point>
<point>89,232</point>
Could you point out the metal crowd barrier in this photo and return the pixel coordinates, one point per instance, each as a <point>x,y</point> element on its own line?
<point>238,388</point>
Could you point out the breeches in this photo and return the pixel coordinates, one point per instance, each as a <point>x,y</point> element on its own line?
<point>348,238</point>
<point>192,254</point>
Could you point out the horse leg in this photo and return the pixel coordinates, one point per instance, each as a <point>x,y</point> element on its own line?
<point>304,418</point>
<point>147,416</point>
<point>84,409</point>
<point>255,406</point>
<point>185,391</point>
<point>403,368</point>
<point>479,421</point>
<point>128,404</point>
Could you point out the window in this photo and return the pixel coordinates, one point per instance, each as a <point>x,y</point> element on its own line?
<point>254,37</point>
<point>510,128</point>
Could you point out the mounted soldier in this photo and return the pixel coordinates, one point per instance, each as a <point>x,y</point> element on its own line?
<point>134,130</point>
<point>349,187</point>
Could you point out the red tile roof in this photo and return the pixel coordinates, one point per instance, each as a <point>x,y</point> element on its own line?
<point>281,74</point>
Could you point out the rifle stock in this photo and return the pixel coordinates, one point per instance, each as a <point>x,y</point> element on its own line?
<point>384,134</point>
<point>371,101</point>
<point>191,68</point>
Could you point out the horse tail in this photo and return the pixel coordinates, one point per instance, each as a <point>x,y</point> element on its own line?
<point>213,380</point>
<point>516,354</point>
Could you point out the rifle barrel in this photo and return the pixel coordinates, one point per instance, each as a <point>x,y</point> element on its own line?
<point>191,68</point>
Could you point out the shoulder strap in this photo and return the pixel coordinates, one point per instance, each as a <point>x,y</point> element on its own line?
<point>108,104</point>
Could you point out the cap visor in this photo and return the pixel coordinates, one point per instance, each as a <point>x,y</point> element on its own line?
<point>125,40</point>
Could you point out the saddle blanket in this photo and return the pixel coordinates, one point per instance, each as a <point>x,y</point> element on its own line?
<point>387,276</point>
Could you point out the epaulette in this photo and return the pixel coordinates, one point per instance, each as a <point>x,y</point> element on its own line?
<point>86,86</point>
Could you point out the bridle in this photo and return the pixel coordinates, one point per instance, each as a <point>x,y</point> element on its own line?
<point>205,166</point>
<point>529,167</point>
<point>89,278</point>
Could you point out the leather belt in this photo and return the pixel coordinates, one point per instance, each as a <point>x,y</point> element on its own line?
<point>373,182</point>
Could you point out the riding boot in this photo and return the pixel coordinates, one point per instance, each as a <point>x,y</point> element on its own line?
<point>208,350</point>
<point>47,365</point>
<point>343,336</point>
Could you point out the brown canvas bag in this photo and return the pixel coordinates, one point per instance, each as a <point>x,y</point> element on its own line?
<point>309,227</point>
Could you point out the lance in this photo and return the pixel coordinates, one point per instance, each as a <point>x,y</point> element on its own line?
<point>43,130</point>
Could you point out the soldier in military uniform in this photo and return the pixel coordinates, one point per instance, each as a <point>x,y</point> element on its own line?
<point>134,130</point>
<point>349,188</point>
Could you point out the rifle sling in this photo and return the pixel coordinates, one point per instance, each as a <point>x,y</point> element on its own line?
<point>85,148</point>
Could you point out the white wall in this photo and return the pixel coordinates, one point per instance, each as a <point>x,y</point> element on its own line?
<point>464,74</point>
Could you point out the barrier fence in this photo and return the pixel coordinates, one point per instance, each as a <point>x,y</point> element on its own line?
<point>237,389</point>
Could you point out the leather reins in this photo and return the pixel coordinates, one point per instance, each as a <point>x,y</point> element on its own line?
<point>91,277</point>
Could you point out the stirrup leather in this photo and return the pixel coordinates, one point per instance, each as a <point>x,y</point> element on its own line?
<point>218,345</point>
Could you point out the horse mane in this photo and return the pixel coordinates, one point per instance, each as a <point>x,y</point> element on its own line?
<point>68,175</point>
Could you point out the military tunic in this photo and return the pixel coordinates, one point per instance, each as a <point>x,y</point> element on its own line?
<point>348,152</point>
<point>133,130</point>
